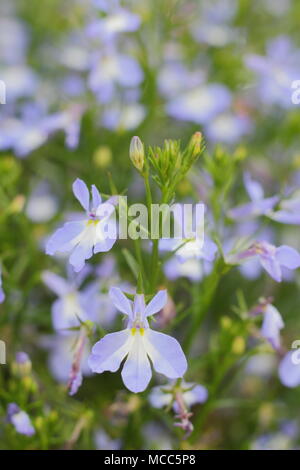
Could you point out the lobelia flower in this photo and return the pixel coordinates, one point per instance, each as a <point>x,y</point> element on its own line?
<point>200,104</point>
<point>182,397</point>
<point>22,364</point>
<point>41,205</point>
<point>288,210</point>
<point>117,22</point>
<point>138,343</point>
<point>276,71</point>
<point>156,437</point>
<point>62,355</point>
<point>188,251</point>
<point>189,243</point>
<point>289,369</point>
<point>95,233</point>
<point>20,420</point>
<point>228,127</point>
<point>72,306</point>
<point>272,322</point>
<point>211,24</point>
<point>127,115</point>
<point>272,258</point>
<point>258,205</point>
<point>110,70</point>
<point>104,442</point>
<point>192,393</point>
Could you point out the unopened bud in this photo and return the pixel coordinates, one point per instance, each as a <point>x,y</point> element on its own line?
<point>137,153</point>
<point>195,144</point>
<point>21,367</point>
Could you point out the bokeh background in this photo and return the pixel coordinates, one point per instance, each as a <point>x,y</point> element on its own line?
<point>82,77</point>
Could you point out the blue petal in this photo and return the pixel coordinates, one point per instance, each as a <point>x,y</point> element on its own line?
<point>109,352</point>
<point>62,238</point>
<point>136,373</point>
<point>81,192</point>
<point>165,353</point>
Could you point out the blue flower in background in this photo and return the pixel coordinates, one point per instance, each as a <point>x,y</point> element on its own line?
<point>20,420</point>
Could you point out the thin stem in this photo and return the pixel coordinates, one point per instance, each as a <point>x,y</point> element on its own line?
<point>204,296</point>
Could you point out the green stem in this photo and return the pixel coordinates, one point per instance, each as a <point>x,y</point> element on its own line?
<point>203,298</point>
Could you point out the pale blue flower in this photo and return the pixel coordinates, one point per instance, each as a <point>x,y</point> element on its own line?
<point>289,369</point>
<point>72,306</point>
<point>259,205</point>
<point>20,420</point>
<point>192,394</point>
<point>138,343</point>
<point>83,238</point>
<point>272,258</point>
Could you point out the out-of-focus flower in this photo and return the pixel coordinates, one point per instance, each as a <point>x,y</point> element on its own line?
<point>181,398</point>
<point>157,437</point>
<point>32,130</point>
<point>212,24</point>
<point>69,121</point>
<point>61,356</point>
<point>188,252</point>
<point>42,204</point>
<point>289,369</point>
<point>193,269</point>
<point>117,21</point>
<point>20,82</point>
<point>272,258</point>
<point>22,364</point>
<point>2,295</point>
<point>96,233</point>
<point>288,211</point>
<point>261,365</point>
<point>20,420</point>
<point>276,71</point>
<point>125,116</point>
<point>201,104</point>
<point>13,41</point>
<point>196,246</point>
<point>192,394</point>
<point>228,128</point>
<point>272,322</point>
<point>138,342</point>
<point>104,442</point>
<point>259,205</point>
<point>166,315</point>
<point>72,305</point>
<point>110,70</point>
<point>274,441</point>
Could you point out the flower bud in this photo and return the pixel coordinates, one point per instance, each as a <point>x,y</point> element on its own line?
<point>137,153</point>
<point>21,367</point>
<point>195,144</point>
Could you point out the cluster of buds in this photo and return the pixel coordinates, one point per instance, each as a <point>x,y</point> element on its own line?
<point>170,163</point>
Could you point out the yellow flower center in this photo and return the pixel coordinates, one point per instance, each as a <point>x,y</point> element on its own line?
<point>135,330</point>
<point>92,221</point>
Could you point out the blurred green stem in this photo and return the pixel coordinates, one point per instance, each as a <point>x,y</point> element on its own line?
<point>203,295</point>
